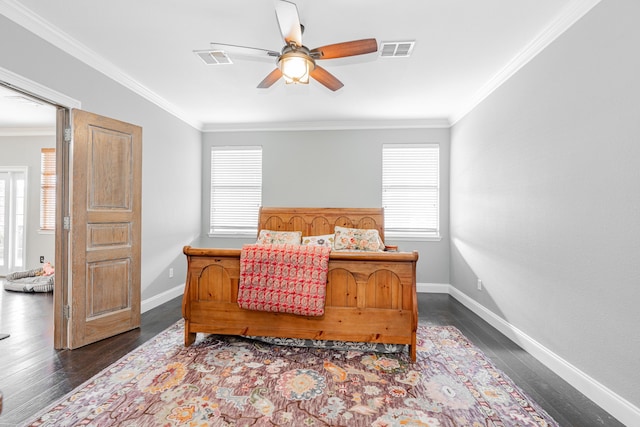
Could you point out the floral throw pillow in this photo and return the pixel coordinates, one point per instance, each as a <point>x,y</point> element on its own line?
<point>357,239</point>
<point>325,240</point>
<point>270,237</point>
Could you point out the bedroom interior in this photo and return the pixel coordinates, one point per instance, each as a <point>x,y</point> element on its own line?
<point>521,166</point>
<point>33,128</point>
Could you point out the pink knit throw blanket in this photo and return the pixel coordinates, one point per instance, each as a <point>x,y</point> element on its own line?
<point>283,278</point>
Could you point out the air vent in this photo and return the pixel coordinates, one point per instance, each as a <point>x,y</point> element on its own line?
<point>396,49</point>
<point>214,57</point>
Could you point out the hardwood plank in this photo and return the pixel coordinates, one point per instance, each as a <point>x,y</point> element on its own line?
<point>37,374</point>
<point>563,402</point>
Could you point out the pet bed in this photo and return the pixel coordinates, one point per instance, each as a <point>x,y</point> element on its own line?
<point>36,280</point>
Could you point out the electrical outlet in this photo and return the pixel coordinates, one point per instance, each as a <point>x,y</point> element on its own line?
<point>171,272</point>
<point>41,259</point>
<point>479,284</point>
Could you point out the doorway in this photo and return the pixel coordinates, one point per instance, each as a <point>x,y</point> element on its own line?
<point>98,236</point>
<point>27,125</point>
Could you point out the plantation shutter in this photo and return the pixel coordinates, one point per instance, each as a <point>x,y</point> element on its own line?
<point>236,190</point>
<point>410,189</point>
<point>47,189</point>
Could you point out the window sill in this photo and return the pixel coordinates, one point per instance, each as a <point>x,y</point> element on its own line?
<point>406,237</point>
<point>388,236</point>
<point>234,235</point>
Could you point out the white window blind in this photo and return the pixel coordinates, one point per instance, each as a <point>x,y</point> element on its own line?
<point>410,189</point>
<point>47,189</point>
<point>236,190</point>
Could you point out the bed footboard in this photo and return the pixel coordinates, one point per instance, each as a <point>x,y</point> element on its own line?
<point>370,297</point>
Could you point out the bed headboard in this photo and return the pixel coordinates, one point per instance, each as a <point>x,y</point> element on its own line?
<point>320,221</point>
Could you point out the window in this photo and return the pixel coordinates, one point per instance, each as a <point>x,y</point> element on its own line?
<point>236,190</point>
<point>13,190</point>
<point>410,190</point>
<point>47,189</point>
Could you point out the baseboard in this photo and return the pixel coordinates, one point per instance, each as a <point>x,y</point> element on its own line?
<point>161,298</point>
<point>433,288</point>
<point>620,408</point>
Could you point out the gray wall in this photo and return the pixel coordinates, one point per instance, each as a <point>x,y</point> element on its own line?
<point>545,198</point>
<point>25,151</point>
<point>334,168</point>
<point>171,174</point>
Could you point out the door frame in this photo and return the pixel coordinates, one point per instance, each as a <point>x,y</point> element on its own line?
<point>64,105</point>
<point>62,234</point>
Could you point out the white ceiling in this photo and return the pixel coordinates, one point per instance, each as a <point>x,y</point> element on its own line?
<point>18,111</point>
<point>463,50</point>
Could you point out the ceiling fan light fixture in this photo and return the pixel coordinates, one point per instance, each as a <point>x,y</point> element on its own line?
<point>296,64</point>
<point>296,67</point>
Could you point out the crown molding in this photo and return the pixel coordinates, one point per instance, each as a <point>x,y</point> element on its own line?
<point>22,84</point>
<point>441,123</point>
<point>565,19</point>
<point>24,17</point>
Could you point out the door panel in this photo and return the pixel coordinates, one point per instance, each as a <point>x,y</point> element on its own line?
<point>105,228</point>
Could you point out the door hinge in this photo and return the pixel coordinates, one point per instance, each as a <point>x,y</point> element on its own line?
<point>66,223</point>
<point>67,312</point>
<point>67,134</point>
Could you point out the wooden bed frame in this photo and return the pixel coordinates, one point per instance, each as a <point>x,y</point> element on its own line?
<point>370,297</point>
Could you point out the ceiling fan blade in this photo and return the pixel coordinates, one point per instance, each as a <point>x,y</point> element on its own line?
<point>340,50</point>
<point>252,52</point>
<point>270,79</point>
<point>289,22</point>
<point>326,78</point>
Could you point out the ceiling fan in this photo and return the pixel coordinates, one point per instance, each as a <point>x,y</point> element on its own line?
<point>296,63</point>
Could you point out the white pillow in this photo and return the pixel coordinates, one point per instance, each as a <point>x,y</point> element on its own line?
<point>324,240</point>
<point>270,237</point>
<point>357,239</point>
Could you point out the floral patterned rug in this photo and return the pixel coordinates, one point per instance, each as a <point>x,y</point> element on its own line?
<point>235,381</point>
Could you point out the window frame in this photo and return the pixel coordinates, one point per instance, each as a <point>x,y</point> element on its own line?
<point>430,184</point>
<point>15,208</point>
<point>252,184</point>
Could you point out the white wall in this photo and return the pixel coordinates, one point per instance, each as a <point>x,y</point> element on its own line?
<point>24,150</point>
<point>545,198</point>
<point>334,168</point>
<point>171,174</point>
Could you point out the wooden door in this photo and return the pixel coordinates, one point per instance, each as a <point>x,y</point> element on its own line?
<point>105,228</point>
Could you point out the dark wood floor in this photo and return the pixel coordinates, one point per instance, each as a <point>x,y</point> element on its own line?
<point>33,375</point>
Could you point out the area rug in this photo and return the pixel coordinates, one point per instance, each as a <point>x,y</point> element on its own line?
<point>235,381</point>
